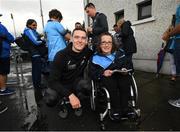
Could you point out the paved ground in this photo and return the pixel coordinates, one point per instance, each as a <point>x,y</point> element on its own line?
<point>156,113</point>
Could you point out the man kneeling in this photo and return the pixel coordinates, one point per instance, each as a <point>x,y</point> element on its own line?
<point>68,70</point>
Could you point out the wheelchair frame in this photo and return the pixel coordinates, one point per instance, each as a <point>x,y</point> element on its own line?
<point>132,102</point>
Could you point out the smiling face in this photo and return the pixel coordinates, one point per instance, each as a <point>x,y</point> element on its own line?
<point>79,39</point>
<point>33,25</point>
<point>106,44</point>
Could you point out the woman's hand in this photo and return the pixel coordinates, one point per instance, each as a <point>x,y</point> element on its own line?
<point>107,73</point>
<point>74,101</point>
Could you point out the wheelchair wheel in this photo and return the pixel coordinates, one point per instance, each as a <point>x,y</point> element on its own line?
<point>133,101</point>
<point>134,92</point>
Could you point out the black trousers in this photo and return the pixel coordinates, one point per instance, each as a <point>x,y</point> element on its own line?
<point>36,77</point>
<point>118,86</point>
<point>129,57</point>
<point>80,87</point>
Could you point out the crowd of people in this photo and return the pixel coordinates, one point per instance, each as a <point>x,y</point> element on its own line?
<point>68,54</point>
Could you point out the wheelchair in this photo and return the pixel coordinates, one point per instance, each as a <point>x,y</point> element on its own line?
<point>101,91</point>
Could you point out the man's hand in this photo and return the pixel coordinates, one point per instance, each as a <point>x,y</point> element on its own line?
<point>165,37</point>
<point>176,30</point>
<point>74,101</point>
<point>166,34</point>
<point>67,36</point>
<point>107,73</point>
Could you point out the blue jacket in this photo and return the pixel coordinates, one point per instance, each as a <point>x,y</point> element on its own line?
<point>6,39</point>
<point>55,38</point>
<point>177,15</point>
<point>34,39</point>
<point>32,35</point>
<point>99,63</point>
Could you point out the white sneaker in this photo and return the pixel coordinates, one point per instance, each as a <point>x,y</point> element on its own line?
<point>175,103</point>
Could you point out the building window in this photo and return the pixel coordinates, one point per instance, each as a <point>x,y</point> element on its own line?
<point>118,15</point>
<point>144,9</point>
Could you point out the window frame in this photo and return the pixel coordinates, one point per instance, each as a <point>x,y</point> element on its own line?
<point>140,6</point>
<point>119,13</point>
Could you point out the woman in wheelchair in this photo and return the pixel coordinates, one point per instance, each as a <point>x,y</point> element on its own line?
<point>102,64</point>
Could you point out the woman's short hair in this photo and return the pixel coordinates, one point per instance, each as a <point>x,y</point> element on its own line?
<point>114,48</point>
<point>54,13</point>
<point>29,22</point>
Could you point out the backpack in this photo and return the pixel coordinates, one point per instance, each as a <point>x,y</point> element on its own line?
<point>20,41</point>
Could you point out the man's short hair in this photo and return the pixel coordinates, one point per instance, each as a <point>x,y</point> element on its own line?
<point>79,29</point>
<point>77,23</point>
<point>54,13</point>
<point>89,5</point>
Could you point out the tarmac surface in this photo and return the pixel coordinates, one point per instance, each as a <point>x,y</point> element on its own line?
<point>154,93</point>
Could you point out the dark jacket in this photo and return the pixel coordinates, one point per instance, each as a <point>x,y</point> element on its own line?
<point>67,67</point>
<point>128,40</point>
<point>5,42</point>
<point>118,39</point>
<point>100,25</point>
<point>120,61</point>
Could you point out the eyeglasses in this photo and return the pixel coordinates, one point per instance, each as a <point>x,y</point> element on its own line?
<point>106,43</point>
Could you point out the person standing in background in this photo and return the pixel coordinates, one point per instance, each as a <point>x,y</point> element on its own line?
<point>5,46</point>
<point>128,40</point>
<point>171,54</point>
<point>56,34</point>
<point>176,33</point>
<point>33,40</point>
<point>117,37</point>
<point>99,25</point>
<point>78,25</point>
